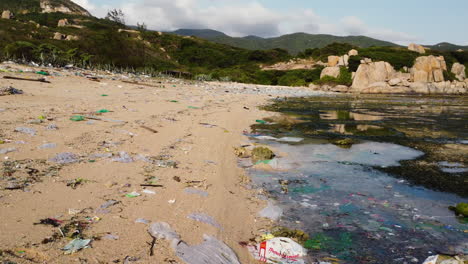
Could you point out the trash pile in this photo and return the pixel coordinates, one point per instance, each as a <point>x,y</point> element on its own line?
<point>9,91</point>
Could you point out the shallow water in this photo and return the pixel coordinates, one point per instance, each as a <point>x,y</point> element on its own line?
<point>357,201</point>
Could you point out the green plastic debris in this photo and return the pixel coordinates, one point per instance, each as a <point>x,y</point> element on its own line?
<point>104,95</point>
<point>193,107</point>
<point>173,101</point>
<point>311,189</point>
<point>77,118</point>
<point>102,111</point>
<point>263,162</point>
<point>263,122</point>
<point>41,117</point>
<point>76,245</point>
<point>132,195</point>
<point>43,73</point>
<point>2,142</point>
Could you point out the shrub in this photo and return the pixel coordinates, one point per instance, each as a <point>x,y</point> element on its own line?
<point>337,49</point>
<point>344,78</point>
<point>21,50</point>
<point>397,57</point>
<point>354,62</point>
<point>449,76</point>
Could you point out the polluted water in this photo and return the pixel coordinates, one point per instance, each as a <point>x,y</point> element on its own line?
<point>353,182</point>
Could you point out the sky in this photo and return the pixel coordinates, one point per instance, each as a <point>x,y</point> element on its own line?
<point>399,21</point>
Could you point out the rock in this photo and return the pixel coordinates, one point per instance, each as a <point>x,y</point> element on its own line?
<point>314,87</point>
<point>59,36</point>
<point>330,71</point>
<point>353,52</point>
<point>394,81</point>
<point>428,69</point>
<point>128,31</point>
<point>63,23</point>
<point>7,14</point>
<point>343,61</point>
<point>333,61</point>
<point>459,71</point>
<point>419,87</point>
<point>72,37</point>
<point>371,73</point>
<point>340,89</point>
<point>418,48</point>
<point>262,153</point>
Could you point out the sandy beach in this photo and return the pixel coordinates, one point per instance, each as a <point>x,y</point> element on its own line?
<point>196,125</point>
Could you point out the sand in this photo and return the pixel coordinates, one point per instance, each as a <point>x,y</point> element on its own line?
<point>203,152</point>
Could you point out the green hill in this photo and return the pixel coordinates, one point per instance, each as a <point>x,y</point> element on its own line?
<point>445,46</point>
<point>42,6</point>
<point>293,43</point>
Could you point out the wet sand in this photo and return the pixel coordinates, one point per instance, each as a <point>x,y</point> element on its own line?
<point>203,152</point>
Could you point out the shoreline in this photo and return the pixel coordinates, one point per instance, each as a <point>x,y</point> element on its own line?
<point>198,125</point>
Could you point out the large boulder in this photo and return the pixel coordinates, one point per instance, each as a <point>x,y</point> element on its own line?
<point>333,61</point>
<point>418,48</point>
<point>343,61</point>
<point>7,14</point>
<point>353,52</point>
<point>370,73</point>
<point>459,71</point>
<point>429,69</point>
<point>63,23</point>
<point>330,71</point>
<point>59,36</point>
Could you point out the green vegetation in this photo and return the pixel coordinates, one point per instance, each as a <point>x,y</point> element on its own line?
<point>397,57</point>
<point>293,43</point>
<point>344,78</point>
<point>334,49</point>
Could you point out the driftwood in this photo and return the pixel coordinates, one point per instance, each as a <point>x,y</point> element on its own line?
<point>26,79</point>
<point>149,129</point>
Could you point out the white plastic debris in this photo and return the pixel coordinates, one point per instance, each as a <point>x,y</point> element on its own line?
<point>279,250</point>
<point>211,251</point>
<point>272,212</point>
<point>431,260</point>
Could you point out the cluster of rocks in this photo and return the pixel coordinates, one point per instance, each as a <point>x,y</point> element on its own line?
<point>60,36</point>
<point>426,75</point>
<point>335,62</point>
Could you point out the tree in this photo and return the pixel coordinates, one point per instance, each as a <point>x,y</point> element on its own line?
<point>116,15</point>
<point>142,26</point>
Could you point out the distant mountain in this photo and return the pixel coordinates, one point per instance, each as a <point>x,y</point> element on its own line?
<point>445,46</point>
<point>201,33</point>
<point>294,43</point>
<point>43,6</point>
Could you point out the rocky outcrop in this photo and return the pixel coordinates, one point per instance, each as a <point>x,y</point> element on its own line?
<point>417,48</point>
<point>428,69</point>
<point>63,23</point>
<point>459,70</point>
<point>333,61</point>
<point>72,37</point>
<point>67,7</point>
<point>371,73</point>
<point>330,71</point>
<point>59,36</point>
<point>7,14</point>
<point>353,52</point>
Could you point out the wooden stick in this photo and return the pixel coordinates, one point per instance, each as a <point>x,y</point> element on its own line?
<point>149,129</point>
<point>138,83</point>
<point>152,185</point>
<point>152,246</point>
<point>26,79</point>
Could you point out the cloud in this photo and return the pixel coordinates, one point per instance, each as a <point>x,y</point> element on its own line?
<point>240,18</point>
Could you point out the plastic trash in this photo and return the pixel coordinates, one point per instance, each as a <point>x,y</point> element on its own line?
<point>431,260</point>
<point>65,158</point>
<point>7,150</point>
<point>104,95</point>
<point>123,157</point>
<point>290,139</point>
<point>52,127</point>
<point>149,192</point>
<point>193,107</point>
<point>76,245</point>
<point>111,237</point>
<point>272,211</point>
<point>279,250</point>
<point>42,73</point>
<point>211,251</point>
<point>142,221</point>
<point>48,146</point>
<point>26,130</point>
<point>196,191</point>
<point>204,218</point>
<point>102,111</point>
<point>263,122</point>
<point>77,118</point>
<point>132,195</point>
<point>10,91</point>
<point>109,203</point>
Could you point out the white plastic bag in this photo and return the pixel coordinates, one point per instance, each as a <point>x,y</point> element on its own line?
<point>279,250</point>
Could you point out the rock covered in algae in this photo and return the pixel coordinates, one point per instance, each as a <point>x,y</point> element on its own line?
<point>262,153</point>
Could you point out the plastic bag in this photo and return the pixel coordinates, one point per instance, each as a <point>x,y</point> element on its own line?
<point>279,250</point>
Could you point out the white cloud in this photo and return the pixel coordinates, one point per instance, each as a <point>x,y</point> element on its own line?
<point>241,18</point>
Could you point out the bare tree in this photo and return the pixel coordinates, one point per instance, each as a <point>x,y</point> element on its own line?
<point>116,15</point>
